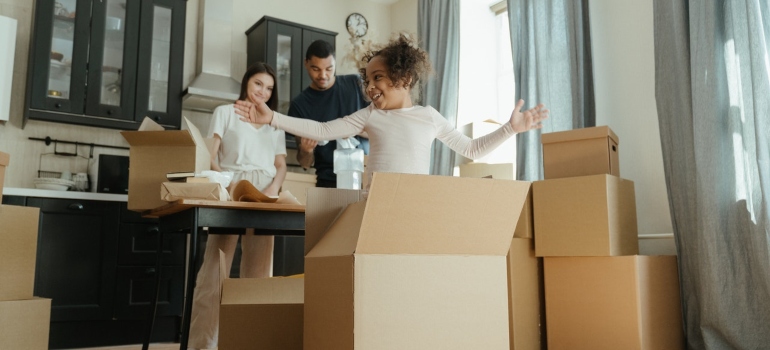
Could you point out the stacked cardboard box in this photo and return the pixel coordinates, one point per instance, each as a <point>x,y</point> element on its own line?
<point>24,319</point>
<point>419,264</point>
<point>526,306</point>
<point>599,294</point>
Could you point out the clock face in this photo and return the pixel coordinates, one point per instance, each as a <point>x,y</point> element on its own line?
<point>356,24</point>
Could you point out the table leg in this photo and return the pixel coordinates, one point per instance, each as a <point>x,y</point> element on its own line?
<point>191,274</point>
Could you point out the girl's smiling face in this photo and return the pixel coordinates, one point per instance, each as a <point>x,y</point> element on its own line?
<point>260,87</point>
<point>381,90</point>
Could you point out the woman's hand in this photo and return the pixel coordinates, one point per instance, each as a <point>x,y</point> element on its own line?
<point>258,113</point>
<point>529,119</point>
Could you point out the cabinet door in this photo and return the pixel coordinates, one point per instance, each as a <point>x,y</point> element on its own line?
<point>161,61</point>
<point>136,289</point>
<point>59,56</point>
<point>284,53</point>
<point>112,59</point>
<point>76,257</point>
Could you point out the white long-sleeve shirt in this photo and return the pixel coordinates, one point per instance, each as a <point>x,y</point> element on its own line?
<point>400,140</point>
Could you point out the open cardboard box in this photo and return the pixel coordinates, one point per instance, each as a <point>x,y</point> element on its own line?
<point>618,302</point>
<point>420,264</point>
<point>260,313</point>
<point>25,324</point>
<point>18,251</point>
<point>156,152</point>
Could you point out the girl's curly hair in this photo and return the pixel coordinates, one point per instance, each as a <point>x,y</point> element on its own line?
<point>405,61</point>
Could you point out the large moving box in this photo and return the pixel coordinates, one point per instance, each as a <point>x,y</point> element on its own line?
<point>420,264</point>
<point>526,302</point>
<point>17,251</point>
<point>585,216</point>
<point>625,302</point>
<point>25,324</point>
<point>580,152</point>
<point>156,152</point>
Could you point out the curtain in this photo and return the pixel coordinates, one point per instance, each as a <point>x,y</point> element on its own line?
<point>439,34</point>
<point>551,46</point>
<point>712,91</point>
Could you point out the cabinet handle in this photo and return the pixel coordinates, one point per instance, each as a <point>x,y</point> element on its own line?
<point>157,118</point>
<point>58,105</point>
<point>75,206</point>
<point>149,271</point>
<point>153,230</point>
<point>109,112</point>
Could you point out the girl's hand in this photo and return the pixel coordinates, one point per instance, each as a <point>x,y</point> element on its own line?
<point>253,113</point>
<point>529,119</point>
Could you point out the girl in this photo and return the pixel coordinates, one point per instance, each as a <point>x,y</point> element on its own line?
<point>253,152</point>
<point>400,133</point>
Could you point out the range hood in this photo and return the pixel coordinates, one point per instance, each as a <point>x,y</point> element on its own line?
<point>214,85</point>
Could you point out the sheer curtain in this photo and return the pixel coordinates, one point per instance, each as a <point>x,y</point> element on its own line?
<point>439,30</point>
<point>713,94</point>
<point>551,46</point>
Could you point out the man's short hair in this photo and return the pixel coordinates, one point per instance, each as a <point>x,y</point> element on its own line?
<point>320,49</point>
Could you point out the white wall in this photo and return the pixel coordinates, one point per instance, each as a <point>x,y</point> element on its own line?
<point>624,82</point>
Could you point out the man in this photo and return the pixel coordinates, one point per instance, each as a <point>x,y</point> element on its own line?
<point>327,98</point>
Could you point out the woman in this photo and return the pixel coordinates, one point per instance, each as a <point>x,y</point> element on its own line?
<point>253,152</point>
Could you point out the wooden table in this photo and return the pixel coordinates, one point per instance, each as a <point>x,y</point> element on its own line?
<point>189,216</point>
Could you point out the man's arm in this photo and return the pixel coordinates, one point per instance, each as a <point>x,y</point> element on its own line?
<point>305,149</point>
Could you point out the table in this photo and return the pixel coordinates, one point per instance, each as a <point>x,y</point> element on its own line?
<point>189,216</point>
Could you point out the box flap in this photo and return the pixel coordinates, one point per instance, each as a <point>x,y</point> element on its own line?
<point>275,290</point>
<point>324,205</point>
<point>579,134</point>
<point>4,158</point>
<point>202,155</point>
<point>222,272</point>
<point>181,138</point>
<point>422,214</point>
<point>342,236</point>
<point>149,125</point>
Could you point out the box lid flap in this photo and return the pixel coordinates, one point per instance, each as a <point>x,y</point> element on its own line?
<point>342,236</point>
<point>202,155</point>
<point>159,138</point>
<point>149,125</point>
<point>276,290</point>
<point>579,134</point>
<point>4,158</point>
<point>421,214</point>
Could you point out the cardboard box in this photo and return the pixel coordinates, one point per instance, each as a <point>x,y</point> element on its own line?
<point>4,159</point>
<point>260,313</point>
<point>585,216</point>
<point>505,153</point>
<point>420,264</point>
<point>25,324</point>
<point>18,251</point>
<point>503,171</point>
<point>526,299</point>
<point>172,191</point>
<point>628,302</point>
<point>580,152</point>
<point>297,184</point>
<point>156,152</point>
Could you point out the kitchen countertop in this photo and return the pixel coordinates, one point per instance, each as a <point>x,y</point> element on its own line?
<point>33,192</point>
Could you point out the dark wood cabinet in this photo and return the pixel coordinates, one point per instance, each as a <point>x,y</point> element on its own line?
<point>106,63</point>
<point>96,261</point>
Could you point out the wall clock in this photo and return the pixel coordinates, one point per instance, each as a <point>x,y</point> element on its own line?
<point>357,25</point>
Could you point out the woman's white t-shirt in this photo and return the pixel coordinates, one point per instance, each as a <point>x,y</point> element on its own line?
<point>245,147</point>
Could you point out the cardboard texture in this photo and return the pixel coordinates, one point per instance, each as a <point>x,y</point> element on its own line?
<point>25,324</point>
<point>505,153</point>
<point>580,152</point>
<point>5,158</point>
<point>171,191</point>
<point>628,302</point>
<point>18,251</point>
<point>156,152</point>
<point>260,313</point>
<point>503,171</point>
<point>420,264</point>
<point>526,299</point>
<point>585,216</point>
<point>297,184</point>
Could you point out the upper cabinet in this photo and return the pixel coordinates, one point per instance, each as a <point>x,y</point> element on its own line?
<point>107,63</point>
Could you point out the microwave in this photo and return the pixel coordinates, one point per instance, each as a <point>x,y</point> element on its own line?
<point>112,176</point>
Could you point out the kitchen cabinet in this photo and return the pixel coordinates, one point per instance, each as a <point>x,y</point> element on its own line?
<point>94,262</point>
<point>106,63</point>
<point>282,45</point>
